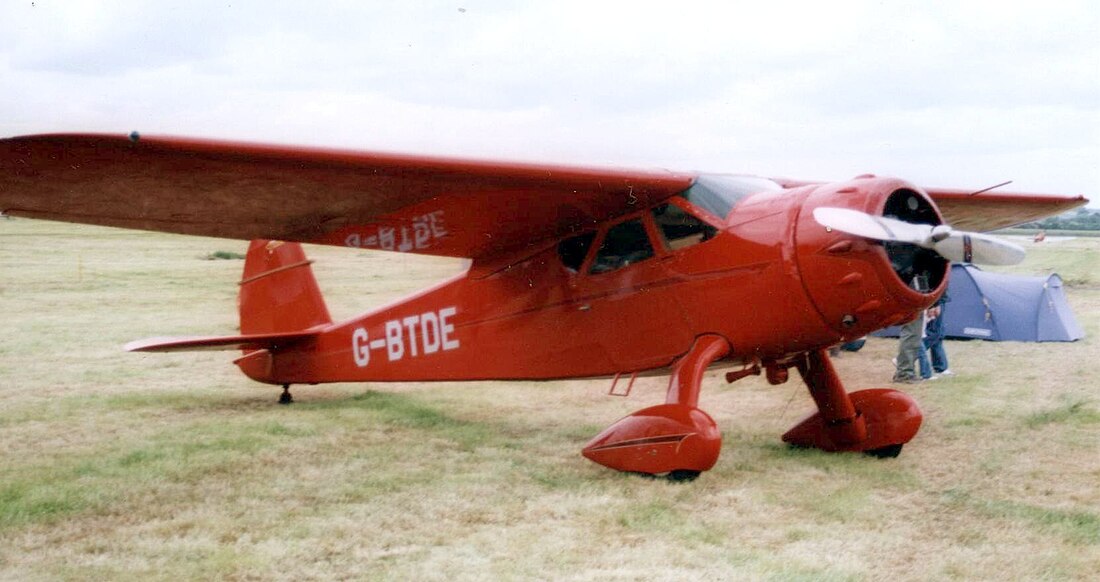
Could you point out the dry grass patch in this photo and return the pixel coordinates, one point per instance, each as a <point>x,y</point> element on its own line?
<point>127,466</point>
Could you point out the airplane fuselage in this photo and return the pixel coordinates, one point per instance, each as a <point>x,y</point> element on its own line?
<point>765,277</point>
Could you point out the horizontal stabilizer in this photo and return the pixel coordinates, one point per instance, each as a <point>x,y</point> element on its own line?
<point>227,342</point>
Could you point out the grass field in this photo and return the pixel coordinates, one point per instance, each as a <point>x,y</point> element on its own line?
<point>126,466</point>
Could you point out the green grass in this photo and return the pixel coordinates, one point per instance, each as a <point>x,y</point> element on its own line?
<point>1074,411</point>
<point>174,466</point>
<point>1080,527</point>
<point>1074,260</point>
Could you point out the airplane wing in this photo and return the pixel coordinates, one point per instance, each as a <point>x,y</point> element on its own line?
<point>986,211</point>
<point>393,202</point>
<point>247,191</point>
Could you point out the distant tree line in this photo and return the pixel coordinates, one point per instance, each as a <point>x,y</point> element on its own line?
<point>1079,219</point>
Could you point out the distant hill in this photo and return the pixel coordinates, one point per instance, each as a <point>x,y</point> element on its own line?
<point>1076,219</point>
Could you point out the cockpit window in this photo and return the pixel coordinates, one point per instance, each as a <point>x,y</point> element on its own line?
<point>573,250</point>
<point>718,193</point>
<point>624,244</point>
<point>680,229</point>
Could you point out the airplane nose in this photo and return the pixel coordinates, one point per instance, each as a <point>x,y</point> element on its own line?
<point>858,281</point>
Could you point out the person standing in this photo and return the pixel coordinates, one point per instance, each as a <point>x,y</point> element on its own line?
<point>924,366</point>
<point>934,334</point>
<point>910,338</point>
<point>910,349</point>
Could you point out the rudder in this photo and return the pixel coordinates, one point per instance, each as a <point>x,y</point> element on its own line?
<point>278,292</point>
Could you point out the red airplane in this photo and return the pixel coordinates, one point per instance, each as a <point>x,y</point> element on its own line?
<point>573,272</point>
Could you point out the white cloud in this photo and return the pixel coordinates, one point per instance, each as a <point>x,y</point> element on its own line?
<point>945,93</point>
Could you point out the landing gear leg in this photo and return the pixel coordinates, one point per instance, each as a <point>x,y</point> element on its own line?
<point>285,397</point>
<point>877,422</point>
<point>675,437</point>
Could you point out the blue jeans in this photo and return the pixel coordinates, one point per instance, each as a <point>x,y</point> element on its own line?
<point>939,356</point>
<point>922,361</point>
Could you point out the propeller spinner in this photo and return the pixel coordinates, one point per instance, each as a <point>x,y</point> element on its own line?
<point>954,245</point>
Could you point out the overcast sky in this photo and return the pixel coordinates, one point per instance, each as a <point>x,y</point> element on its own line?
<point>942,93</point>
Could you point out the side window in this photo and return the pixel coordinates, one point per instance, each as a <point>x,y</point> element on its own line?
<point>624,244</point>
<point>680,229</point>
<point>573,250</point>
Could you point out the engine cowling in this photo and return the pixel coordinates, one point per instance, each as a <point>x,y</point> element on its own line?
<point>860,285</point>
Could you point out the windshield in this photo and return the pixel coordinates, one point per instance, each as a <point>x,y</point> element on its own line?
<point>718,193</point>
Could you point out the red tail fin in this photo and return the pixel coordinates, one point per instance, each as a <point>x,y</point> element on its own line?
<point>278,292</point>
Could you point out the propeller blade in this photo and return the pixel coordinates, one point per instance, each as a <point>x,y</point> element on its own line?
<point>972,247</point>
<point>876,227</point>
<point>956,246</point>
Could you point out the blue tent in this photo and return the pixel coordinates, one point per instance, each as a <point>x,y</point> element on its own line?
<point>999,307</point>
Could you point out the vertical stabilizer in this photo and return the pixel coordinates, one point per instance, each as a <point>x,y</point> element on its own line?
<point>278,291</point>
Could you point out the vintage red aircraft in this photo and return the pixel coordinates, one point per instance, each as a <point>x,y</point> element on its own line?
<point>573,272</point>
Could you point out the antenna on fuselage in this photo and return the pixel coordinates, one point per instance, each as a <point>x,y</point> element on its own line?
<point>990,188</point>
